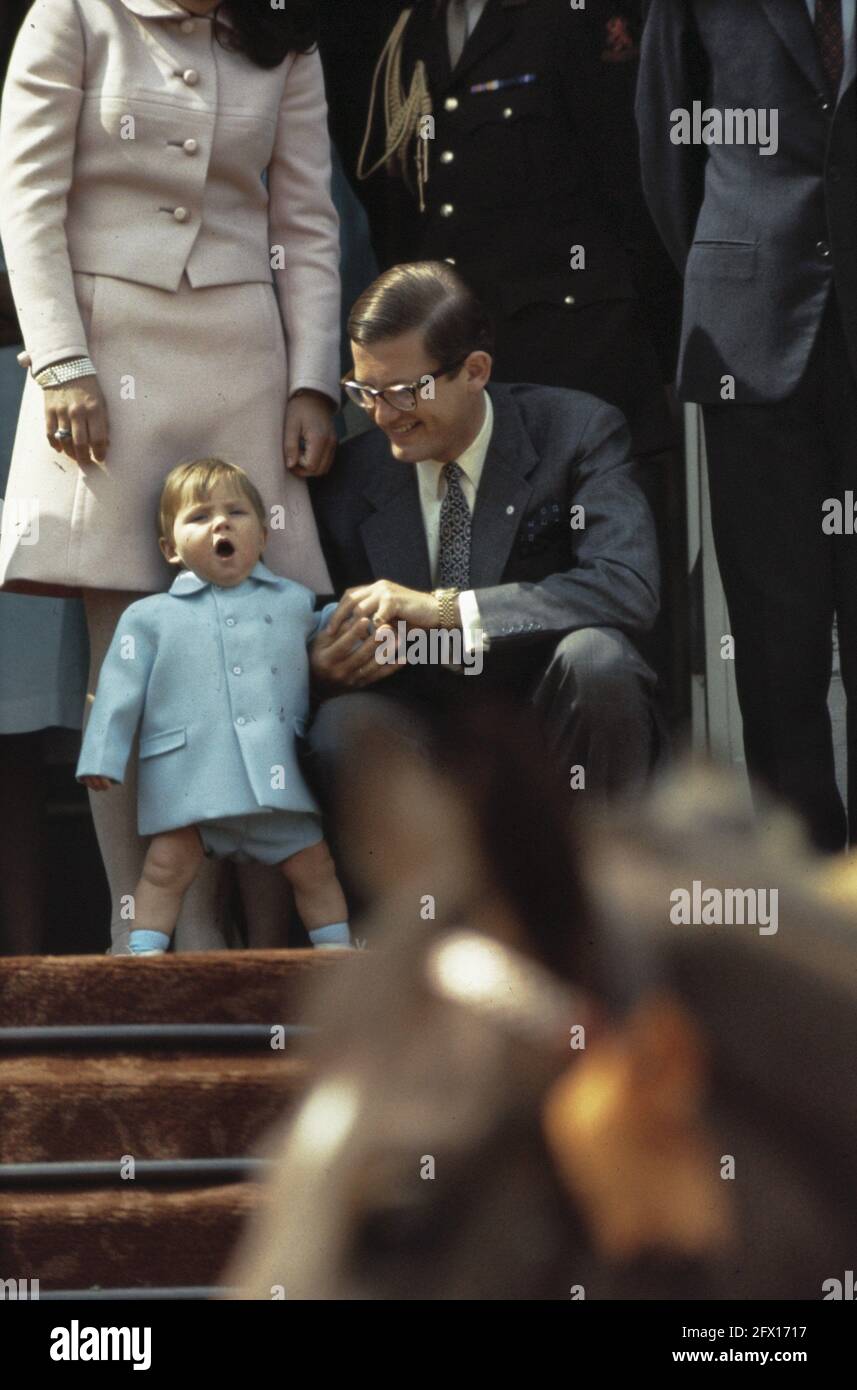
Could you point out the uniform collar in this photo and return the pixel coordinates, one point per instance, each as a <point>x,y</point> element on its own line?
<point>189,583</point>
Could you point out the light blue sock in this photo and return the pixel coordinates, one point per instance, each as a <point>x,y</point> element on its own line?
<point>337,934</point>
<point>142,940</point>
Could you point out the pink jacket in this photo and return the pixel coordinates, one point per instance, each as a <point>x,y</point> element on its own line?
<point>132,145</point>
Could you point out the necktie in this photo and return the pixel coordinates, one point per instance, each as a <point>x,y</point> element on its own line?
<point>830,39</point>
<point>456,29</point>
<point>453,567</point>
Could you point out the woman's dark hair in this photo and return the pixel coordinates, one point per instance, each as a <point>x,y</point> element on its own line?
<point>267,35</point>
<point>427,295</point>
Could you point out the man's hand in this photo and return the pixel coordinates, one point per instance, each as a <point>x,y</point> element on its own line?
<point>342,656</point>
<point>387,603</point>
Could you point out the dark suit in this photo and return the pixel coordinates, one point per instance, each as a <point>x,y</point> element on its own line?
<point>560,606</point>
<point>768,248</point>
<point>520,175</point>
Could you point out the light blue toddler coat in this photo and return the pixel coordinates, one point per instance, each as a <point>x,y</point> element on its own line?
<point>220,679</point>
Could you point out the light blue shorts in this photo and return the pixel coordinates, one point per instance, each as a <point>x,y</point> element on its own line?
<point>267,838</point>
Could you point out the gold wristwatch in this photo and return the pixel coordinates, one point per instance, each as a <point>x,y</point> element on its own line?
<point>447,600</point>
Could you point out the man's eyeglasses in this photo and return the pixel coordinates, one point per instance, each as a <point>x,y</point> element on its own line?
<point>401,396</point>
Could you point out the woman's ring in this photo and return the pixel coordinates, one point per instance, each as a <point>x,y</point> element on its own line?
<point>62,434</point>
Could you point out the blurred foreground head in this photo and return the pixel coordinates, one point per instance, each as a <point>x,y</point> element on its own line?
<point>592,1097</point>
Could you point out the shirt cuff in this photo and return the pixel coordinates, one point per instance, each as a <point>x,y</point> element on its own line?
<point>476,639</point>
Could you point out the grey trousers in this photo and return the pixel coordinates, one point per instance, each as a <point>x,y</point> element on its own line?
<point>594,699</point>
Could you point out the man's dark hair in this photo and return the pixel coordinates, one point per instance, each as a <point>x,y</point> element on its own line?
<point>427,295</point>
<point>265,35</point>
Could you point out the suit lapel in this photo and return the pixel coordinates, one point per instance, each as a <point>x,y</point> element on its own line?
<point>790,18</point>
<point>503,492</point>
<point>394,535</point>
<point>494,25</point>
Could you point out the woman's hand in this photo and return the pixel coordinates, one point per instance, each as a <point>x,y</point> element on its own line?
<point>98,784</point>
<point>309,416</point>
<point>78,406</point>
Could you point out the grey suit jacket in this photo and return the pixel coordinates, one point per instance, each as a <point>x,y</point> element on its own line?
<point>761,239</point>
<point>536,576</point>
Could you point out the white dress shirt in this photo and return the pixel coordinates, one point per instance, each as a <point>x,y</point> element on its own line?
<point>472,10</point>
<point>849,7</point>
<point>432,489</point>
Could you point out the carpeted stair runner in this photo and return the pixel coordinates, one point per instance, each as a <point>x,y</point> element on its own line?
<point>66,1098</point>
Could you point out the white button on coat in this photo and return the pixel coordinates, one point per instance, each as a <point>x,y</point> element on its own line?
<point>187,26</point>
<point>190,77</point>
<point>190,146</point>
<point>181,214</point>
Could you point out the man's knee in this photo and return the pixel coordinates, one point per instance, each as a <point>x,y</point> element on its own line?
<point>602,664</point>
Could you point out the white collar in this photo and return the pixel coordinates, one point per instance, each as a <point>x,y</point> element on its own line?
<point>471,460</point>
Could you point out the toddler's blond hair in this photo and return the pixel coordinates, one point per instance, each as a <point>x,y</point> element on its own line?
<point>194,481</point>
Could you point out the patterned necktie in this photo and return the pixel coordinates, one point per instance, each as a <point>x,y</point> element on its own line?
<point>830,40</point>
<point>453,567</point>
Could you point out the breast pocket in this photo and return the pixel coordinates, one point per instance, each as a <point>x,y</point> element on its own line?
<point>499,133</point>
<point>154,744</point>
<point>722,260</point>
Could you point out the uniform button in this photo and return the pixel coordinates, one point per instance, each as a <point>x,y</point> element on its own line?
<point>451,104</point>
<point>450,260</point>
<point>190,77</point>
<point>230,622</point>
<point>447,157</point>
<point>510,511</point>
<point>446,209</point>
<point>569,299</point>
<point>823,250</point>
<point>236,670</point>
<point>241,721</point>
<point>507,112</point>
<point>190,146</point>
<point>823,103</point>
<point>181,214</point>
<point>187,26</point>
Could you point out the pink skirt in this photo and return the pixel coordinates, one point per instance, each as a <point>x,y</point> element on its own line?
<point>196,374</point>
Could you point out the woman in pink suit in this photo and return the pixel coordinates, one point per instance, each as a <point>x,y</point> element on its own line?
<point>173,254</point>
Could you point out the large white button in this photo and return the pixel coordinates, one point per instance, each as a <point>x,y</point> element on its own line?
<point>190,146</point>
<point>187,26</point>
<point>236,670</point>
<point>569,299</point>
<point>241,720</point>
<point>181,214</point>
<point>451,104</point>
<point>447,157</point>
<point>446,209</point>
<point>230,622</point>
<point>510,511</point>
<point>190,77</point>
<point>507,112</point>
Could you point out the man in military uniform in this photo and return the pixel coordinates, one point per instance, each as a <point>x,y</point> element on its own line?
<point>508,135</point>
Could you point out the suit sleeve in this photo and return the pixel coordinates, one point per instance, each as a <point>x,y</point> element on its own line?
<point>303,221</point>
<point>119,699</point>
<point>38,132</point>
<point>673,74</point>
<point>614,580</point>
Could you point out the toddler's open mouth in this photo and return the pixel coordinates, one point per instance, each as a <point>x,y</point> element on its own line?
<point>224,548</point>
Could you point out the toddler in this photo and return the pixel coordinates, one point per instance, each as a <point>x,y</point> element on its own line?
<point>216,675</point>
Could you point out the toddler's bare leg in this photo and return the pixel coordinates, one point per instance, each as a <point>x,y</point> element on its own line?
<point>170,867</point>
<point>318,894</point>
